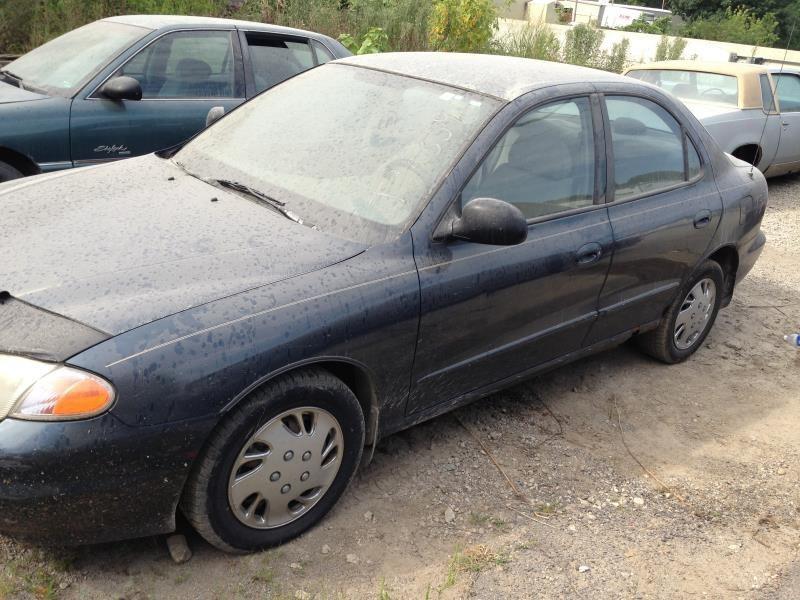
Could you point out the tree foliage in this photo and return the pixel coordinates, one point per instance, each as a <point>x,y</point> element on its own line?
<point>462,25</point>
<point>738,25</point>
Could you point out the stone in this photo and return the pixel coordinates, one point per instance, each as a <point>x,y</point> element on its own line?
<point>179,549</point>
<point>449,515</point>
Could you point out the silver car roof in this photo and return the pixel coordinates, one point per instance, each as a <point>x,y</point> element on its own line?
<point>504,77</point>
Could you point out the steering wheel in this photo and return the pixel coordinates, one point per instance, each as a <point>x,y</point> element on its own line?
<point>714,90</point>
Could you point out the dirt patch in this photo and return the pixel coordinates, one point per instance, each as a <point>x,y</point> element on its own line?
<point>433,518</point>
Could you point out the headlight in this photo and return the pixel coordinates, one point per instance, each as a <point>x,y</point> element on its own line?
<point>34,390</point>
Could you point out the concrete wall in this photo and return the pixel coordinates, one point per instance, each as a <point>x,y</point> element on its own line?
<point>643,45</point>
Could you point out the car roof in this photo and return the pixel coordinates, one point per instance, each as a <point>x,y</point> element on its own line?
<point>504,77</point>
<point>723,68</point>
<point>177,21</point>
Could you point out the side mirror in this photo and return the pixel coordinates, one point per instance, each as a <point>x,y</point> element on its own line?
<point>491,221</point>
<point>214,115</point>
<point>122,88</point>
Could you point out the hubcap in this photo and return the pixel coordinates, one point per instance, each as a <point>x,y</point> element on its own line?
<point>285,468</point>
<point>695,314</point>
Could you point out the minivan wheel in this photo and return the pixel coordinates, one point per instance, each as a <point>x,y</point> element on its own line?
<point>7,172</point>
<point>277,464</point>
<point>689,319</point>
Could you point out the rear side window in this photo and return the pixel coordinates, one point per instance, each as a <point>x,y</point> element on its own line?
<point>648,146</point>
<point>693,85</point>
<point>323,54</point>
<point>275,59</point>
<point>766,94</point>
<point>788,88</point>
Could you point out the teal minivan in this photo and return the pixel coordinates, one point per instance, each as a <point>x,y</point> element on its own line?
<point>127,86</point>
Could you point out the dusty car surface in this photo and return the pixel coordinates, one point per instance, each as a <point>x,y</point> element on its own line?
<point>131,85</point>
<point>738,104</point>
<point>224,330</point>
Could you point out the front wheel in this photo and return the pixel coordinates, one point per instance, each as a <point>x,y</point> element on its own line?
<point>277,464</point>
<point>689,319</point>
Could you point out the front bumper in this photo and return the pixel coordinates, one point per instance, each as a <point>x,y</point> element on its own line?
<point>93,481</point>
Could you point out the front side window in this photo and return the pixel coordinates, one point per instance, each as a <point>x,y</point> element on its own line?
<point>186,64</point>
<point>275,59</point>
<point>693,85</point>
<point>788,89</point>
<point>66,63</point>
<point>767,97</point>
<point>354,151</point>
<point>648,145</point>
<point>544,164</point>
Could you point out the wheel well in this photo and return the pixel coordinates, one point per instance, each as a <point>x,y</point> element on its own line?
<point>360,383</point>
<point>750,153</point>
<point>727,258</point>
<point>20,162</point>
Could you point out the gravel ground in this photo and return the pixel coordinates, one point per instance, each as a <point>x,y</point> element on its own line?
<point>633,480</point>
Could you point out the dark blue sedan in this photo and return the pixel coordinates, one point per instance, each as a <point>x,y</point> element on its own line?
<point>127,86</point>
<point>225,329</point>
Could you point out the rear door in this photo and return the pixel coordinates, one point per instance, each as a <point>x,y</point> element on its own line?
<point>664,208</point>
<point>490,313</point>
<point>183,75</point>
<point>788,91</point>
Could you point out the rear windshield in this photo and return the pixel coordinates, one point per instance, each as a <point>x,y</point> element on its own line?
<point>693,85</point>
<point>63,65</point>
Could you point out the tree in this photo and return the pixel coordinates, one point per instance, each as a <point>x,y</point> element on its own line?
<point>739,25</point>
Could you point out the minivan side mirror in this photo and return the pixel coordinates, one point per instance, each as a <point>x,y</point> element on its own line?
<point>491,221</point>
<point>122,88</point>
<point>215,114</point>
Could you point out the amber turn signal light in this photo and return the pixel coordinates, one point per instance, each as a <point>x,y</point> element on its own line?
<point>64,394</point>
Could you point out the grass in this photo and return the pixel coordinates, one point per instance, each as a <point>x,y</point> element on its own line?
<point>483,519</point>
<point>472,559</point>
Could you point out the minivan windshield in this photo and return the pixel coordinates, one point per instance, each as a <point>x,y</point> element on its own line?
<point>353,150</point>
<point>63,65</point>
<point>693,85</point>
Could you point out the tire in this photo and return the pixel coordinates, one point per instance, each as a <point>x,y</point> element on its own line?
<point>671,346</point>
<point>7,172</point>
<point>237,521</point>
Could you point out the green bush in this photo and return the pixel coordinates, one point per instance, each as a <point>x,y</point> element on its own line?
<point>374,41</point>
<point>462,25</point>
<point>740,26</point>
<point>531,41</point>
<point>642,25</point>
<point>583,46</point>
<point>666,50</point>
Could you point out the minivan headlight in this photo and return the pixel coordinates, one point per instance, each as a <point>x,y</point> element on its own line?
<point>35,390</point>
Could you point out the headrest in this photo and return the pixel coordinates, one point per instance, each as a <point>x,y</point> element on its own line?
<point>193,69</point>
<point>628,126</point>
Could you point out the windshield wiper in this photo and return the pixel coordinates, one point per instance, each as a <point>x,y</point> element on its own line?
<point>11,78</point>
<point>273,203</point>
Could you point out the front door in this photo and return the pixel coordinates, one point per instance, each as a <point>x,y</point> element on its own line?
<point>183,75</point>
<point>489,313</point>
<point>664,211</point>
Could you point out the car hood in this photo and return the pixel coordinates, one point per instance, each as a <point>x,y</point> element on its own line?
<point>11,93</point>
<point>118,246</point>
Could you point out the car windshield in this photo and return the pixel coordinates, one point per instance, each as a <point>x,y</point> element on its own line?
<point>353,150</point>
<point>693,85</point>
<point>64,64</point>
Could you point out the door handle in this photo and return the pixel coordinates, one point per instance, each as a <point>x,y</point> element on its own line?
<point>589,254</point>
<point>702,219</point>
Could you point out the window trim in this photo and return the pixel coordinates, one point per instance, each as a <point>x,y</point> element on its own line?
<point>455,202</point>
<point>776,107</point>
<point>685,135</point>
<point>238,68</point>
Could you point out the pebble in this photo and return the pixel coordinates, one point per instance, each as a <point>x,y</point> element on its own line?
<point>781,471</point>
<point>584,569</point>
<point>449,515</point>
<point>301,595</point>
<point>352,559</point>
<point>368,516</point>
<point>326,549</point>
<point>179,548</point>
<point>638,501</point>
<point>295,566</point>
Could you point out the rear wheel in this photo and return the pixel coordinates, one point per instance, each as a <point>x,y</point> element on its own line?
<point>7,172</point>
<point>277,464</point>
<point>690,317</point>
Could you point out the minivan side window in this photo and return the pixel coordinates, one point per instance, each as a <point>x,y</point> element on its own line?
<point>544,164</point>
<point>648,145</point>
<point>186,64</point>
